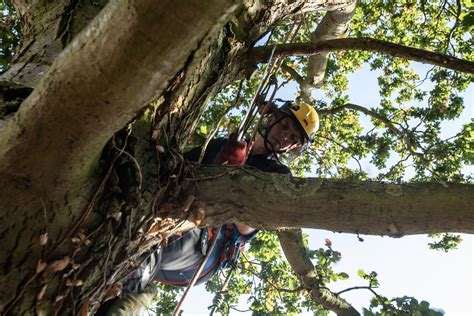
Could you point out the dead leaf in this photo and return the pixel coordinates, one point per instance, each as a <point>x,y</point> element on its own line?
<point>41,293</point>
<point>113,292</point>
<point>84,311</point>
<point>76,266</point>
<point>59,265</point>
<point>154,229</point>
<point>199,212</point>
<point>117,216</point>
<point>58,298</point>
<point>76,282</point>
<point>164,239</point>
<point>41,266</point>
<point>188,203</point>
<point>43,240</point>
<point>75,240</point>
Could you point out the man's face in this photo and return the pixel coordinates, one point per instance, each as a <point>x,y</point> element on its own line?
<point>285,135</point>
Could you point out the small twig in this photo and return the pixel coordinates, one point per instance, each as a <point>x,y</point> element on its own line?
<point>123,151</point>
<point>356,288</point>
<point>344,148</point>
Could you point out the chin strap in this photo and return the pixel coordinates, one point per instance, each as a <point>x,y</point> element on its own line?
<point>268,145</point>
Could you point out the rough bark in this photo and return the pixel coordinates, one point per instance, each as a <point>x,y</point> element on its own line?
<point>47,27</point>
<point>274,201</point>
<point>123,60</point>
<point>260,54</point>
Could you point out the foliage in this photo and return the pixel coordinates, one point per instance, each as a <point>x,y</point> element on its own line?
<point>381,306</point>
<point>266,280</point>
<point>445,242</point>
<point>9,34</point>
<point>408,142</point>
<point>166,299</point>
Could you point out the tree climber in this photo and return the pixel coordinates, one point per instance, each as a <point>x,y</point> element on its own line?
<point>288,129</point>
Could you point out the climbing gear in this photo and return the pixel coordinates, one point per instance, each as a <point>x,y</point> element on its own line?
<point>224,251</point>
<point>304,115</point>
<point>227,250</point>
<point>253,108</point>
<point>195,277</point>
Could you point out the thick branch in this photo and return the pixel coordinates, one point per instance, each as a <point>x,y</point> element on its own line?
<point>274,201</point>
<point>260,54</point>
<point>122,60</point>
<point>333,25</point>
<point>291,241</point>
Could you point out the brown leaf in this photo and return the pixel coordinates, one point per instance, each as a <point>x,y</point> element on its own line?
<point>75,240</point>
<point>199,212</point>
<point>58,298</point>
<point>113,292</point>
<point>41,293</point>
<point>59,265</point>
<point>43,240</point>
<point>117,216</point>
<point>76,282</point>
<point>188,203</point>
<point>84,311</point>
<point>41,266</point>
<point>154,229</point>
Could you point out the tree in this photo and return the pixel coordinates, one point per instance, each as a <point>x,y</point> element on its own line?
<point>102,97</point>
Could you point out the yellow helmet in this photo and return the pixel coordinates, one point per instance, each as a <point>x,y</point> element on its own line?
<point>305,115</point>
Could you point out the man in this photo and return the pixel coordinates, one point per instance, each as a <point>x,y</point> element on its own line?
<point>288,129</point>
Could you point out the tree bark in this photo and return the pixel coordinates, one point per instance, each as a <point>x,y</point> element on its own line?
<point>334,24</point>
<point>271,201</point>
<point>260,54</point>
<point>124,59</point>
<point>291,241</point>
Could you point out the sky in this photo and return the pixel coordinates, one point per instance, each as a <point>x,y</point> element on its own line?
<point>405,266</point>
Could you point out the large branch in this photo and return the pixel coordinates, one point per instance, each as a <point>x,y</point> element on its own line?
<point>124,59</point>
<point>333,25</point>
<point>261,54</point>
<point>291,241</point>
<point>274,201</point>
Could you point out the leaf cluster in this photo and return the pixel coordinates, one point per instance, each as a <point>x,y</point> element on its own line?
<point>10,33</point>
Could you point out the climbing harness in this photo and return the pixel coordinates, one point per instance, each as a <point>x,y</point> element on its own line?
<point>196,274</point>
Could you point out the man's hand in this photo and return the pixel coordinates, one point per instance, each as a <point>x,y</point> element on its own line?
<point>233,153</point>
